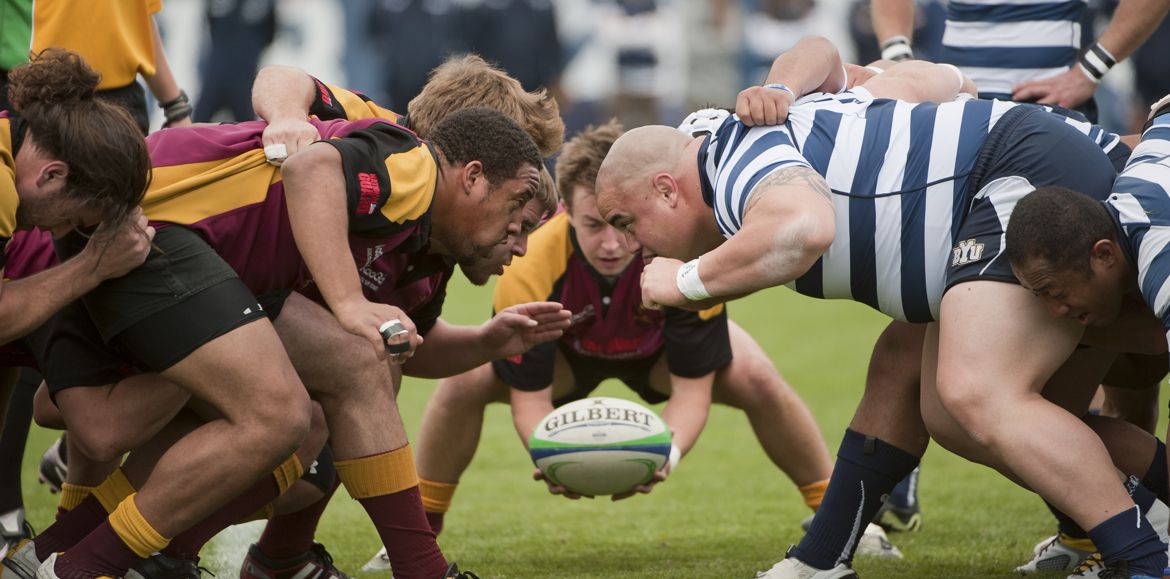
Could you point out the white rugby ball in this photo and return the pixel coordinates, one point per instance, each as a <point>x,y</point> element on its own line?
<point>600,446</point>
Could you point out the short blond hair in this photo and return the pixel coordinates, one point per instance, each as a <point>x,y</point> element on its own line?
<point>466,81</point>
<point>582,157</point>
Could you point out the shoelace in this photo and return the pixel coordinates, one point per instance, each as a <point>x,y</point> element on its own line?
<point>327,559</point>
<point>1092,562</point>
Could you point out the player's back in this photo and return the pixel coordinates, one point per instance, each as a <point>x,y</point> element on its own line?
<point>898,172</point>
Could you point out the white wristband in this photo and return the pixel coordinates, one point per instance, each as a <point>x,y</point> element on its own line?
<point>675,456</point>
<point>688,282</point>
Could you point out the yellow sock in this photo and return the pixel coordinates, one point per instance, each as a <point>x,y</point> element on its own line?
<point>378,475</point>
<point>134,530</point>
<point>114,490</point>
<point>1085,544</point>
<point>814,493</point>
<point>288,472</point>
<point>72,495</point>
<point>436,496</point>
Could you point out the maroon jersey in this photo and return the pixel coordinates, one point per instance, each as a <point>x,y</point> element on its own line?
<point>609,323</point>
<point>215,180</point>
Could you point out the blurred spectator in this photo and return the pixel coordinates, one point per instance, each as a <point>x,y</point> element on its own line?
<point>416,36</point>
<point>238,33</point>
<point>930,19</point>
<point>120,40</point>
<point>519,36</point>
<point>364,64</point>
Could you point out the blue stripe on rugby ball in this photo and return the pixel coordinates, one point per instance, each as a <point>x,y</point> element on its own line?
<point>539,453</point>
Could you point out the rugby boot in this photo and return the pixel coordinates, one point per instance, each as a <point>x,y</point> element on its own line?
<point>1052,555</point>
<point>159,566</point>
<point>316,563</point>
<point>53,466</point>
<point>380,562</point>
<point>900,520</point>
<point>21,561</point>
<point>792,568</point>
<point>14,528</point>
<point>1098,569</point>
<point>454,573</point>
<point>875,543</point>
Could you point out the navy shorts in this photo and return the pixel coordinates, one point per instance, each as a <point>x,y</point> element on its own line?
<point>1028,148</point>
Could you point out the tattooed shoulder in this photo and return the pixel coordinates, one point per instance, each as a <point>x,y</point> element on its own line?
<point>788,177</point>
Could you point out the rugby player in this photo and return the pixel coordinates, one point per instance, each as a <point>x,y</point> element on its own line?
<point>1096,260</point>
<point>208,166</point>
<point>503,330</point>
<point>881,197</point>
<point>681,357</point>
<point>71,161</point>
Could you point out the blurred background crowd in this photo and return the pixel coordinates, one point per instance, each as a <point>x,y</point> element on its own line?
<point>642,61</point>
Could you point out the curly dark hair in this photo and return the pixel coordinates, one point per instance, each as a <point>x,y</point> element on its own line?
<point>581,158</point>
<point>488,136</point>
<point>109,166</point>
<point>1057,225</point>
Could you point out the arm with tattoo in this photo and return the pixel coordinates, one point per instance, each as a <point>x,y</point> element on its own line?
<point>788,224</point>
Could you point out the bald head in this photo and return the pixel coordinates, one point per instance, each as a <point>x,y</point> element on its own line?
<point>634,159</point>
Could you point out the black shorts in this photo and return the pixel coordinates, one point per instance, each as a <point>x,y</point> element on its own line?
<point>131,97</point>
<point>1027,149</point>
<point>183,297</point>
<point>589,373</point>
<point>69,352</point>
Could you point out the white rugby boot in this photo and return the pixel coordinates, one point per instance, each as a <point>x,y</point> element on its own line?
<point>874,543</point>
<point>792,568</point>
<point>21,561</point>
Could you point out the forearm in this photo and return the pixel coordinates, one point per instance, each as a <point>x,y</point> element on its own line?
<point>1132,24</point>
<point>813,65</point>
<point>686,412</point>
<point>528,409</point>
<point>447,351</point>
<point>749,263</point>
<point>162,83</point>
<point>892,18</point>
<point>282,92</point>
<point>26,304</point>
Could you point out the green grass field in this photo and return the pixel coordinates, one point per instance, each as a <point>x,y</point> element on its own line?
<point>727,512</point>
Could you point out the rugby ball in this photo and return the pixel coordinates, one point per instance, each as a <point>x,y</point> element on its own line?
<point>600,446</point>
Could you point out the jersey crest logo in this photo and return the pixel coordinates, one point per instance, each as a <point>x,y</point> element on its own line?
<point>967,251</point>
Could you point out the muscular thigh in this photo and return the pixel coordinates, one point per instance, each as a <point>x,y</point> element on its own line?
<point>320,349</point>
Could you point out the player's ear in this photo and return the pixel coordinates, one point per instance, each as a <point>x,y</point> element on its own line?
<point>472,173</point>
<point>1106,252</point>
<point>667,188</point>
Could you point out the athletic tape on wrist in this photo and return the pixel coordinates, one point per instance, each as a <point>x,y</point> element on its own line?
<point>688,282</point>
<point>675,456</point>
<point>782,87</point>
<point>1096,62</point>
<point>897,49</point>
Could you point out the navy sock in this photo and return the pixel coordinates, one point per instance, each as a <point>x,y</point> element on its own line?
<point>1065,524</point>
<point>1128,536</point>
<point>867,470</point>
<point>1156,478</point>
<point>905,495</point>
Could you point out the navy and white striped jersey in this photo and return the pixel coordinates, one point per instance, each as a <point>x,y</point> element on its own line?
<point>1001,43</point>
<point>1141,204</point>
<point>898,171</point>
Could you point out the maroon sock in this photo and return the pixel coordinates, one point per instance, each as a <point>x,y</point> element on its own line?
<point>290,535</point>
<point>186,545</point>
<point>403,528</point>
<point>100,553</point>
<point>71,527</point>
<point>436,521</point>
